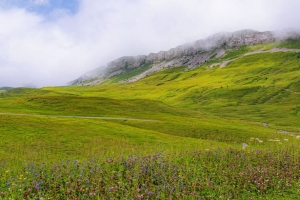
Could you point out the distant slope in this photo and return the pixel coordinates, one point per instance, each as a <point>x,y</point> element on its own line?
<point>191,55</point>
<point>5,88</point>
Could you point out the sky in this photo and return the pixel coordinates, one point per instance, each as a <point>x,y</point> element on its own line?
<point>52,42</point>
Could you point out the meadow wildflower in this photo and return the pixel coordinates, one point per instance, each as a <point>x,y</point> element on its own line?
<point>232,174</point>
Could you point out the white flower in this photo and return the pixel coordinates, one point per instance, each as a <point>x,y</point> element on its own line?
<point>276,140</point>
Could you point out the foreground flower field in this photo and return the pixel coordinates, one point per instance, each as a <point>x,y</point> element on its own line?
<point>210,174</point>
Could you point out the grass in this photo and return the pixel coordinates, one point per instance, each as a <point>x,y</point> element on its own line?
<point>293,43</point>
<point>36,139</point>
<point>200,117</point>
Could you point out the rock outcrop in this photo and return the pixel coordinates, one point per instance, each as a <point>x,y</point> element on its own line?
<point>127,62</point>
<point>223,40</point>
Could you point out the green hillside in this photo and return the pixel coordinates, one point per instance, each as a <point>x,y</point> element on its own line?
<point>254,99</point>
<point>228,104</point>
<point>263,87</point>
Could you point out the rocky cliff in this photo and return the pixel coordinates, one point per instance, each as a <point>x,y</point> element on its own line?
<point>191,54</point>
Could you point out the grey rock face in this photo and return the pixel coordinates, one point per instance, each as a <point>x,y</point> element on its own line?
<point>127,62</point>
<point>248,37</point>
<point>223,40</point>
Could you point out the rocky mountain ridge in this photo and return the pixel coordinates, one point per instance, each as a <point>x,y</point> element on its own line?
<point>191,55</point>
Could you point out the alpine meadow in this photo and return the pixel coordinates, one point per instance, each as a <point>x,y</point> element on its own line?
<point>215,119</point>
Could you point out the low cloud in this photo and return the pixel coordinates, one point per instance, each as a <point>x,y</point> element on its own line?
<point>40,2</point>
<point>44,50</point>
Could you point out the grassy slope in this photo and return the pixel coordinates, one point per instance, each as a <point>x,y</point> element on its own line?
<point>223,106</point>
<point>48,139</point>
<point>262,88</point>
<point>38,138</point>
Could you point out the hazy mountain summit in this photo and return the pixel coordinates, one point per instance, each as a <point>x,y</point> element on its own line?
<point>191,54</point>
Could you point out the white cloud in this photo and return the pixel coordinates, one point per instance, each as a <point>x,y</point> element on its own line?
<point>42,52</point>
<point>40,2</point>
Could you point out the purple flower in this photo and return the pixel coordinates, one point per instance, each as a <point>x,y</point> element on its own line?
<point>151,193</point>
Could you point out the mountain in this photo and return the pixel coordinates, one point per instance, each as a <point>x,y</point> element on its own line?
<point>190,55</point>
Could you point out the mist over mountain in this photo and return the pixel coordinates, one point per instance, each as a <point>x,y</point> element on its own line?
<point>191,54</point>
